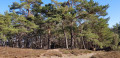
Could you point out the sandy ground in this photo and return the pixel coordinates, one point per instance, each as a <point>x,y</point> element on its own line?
<point>72,56</point>
<point>88,55</point>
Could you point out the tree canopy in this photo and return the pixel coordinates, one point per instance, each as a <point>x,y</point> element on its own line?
<point>72,24</point>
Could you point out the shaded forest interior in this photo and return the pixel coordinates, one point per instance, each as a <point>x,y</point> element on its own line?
<point>71,24</point>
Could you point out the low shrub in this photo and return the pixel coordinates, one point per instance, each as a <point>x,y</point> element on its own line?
<point>53,53</point>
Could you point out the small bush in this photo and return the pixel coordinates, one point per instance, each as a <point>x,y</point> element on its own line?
<point>74,51</point>
<point>53,53</point>
<point>65,51</point>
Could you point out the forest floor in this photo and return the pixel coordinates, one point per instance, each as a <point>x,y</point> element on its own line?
<point>8,52</point>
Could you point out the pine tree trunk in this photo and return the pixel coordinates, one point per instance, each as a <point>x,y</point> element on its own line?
<point>28,9</point>
<point>72,40</point>
<point>41,43</point>
<point>66,41</point>
<point>49,39</point>
<point>83,43</point>
<point>48,42</point>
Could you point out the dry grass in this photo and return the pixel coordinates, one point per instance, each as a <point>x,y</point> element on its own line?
<point>7,52</point>
<point>111,54</point>
<point>75,51</point>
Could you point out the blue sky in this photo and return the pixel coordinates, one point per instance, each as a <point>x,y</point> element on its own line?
<point>113,10</point>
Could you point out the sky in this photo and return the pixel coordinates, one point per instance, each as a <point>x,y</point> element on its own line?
<point>113,10</point>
